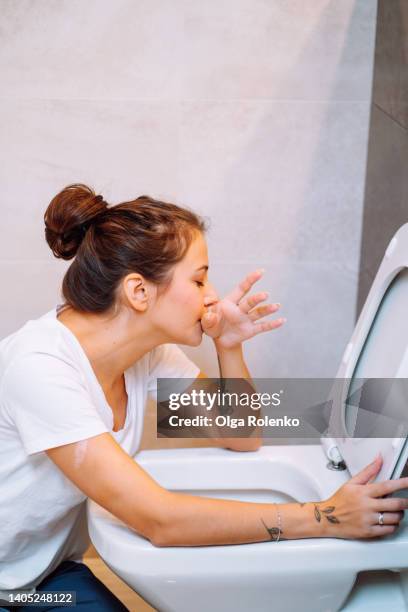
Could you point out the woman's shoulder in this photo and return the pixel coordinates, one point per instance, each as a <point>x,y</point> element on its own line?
<point>39,342</point>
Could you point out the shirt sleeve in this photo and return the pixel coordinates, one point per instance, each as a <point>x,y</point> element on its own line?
<point>47,400</point>
<point>168,361</point>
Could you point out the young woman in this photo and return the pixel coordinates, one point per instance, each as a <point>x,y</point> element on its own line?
<point>74,385</point>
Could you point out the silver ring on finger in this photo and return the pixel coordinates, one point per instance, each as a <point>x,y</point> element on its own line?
<point>381,518</point>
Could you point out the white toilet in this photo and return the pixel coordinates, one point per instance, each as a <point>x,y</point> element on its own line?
<point>311,575</point>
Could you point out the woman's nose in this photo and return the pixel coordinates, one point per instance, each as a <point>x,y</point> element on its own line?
<point>210,295</point>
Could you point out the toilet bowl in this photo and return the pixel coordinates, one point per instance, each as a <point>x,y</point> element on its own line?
<point>312,575</point>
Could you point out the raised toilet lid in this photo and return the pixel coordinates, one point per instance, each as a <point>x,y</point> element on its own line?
<point>384,355</point>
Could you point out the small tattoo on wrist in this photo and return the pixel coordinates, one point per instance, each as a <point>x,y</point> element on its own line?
<point>327,513</point>
<point>274,532</point>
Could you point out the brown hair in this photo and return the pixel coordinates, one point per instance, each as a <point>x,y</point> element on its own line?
<point>144,235</point>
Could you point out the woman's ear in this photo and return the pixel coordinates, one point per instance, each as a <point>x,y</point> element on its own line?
<point>136,291</point>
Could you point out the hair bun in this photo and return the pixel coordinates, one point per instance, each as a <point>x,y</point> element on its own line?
<point>69,215</point>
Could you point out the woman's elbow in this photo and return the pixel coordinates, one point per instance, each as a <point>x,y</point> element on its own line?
<point>158,528</point>
<point>159,540</point>
<point>244,444</point>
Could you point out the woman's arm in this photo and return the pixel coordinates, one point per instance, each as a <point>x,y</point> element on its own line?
<point>101,469</point>
<point>109,476</point>
<point>232,365</point>
<point>229,322</point>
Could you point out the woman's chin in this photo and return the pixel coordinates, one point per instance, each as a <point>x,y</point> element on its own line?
<point>198,333</point>
<point>194,338</point>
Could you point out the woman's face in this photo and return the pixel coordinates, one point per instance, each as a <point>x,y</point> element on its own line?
<point>178,311</point>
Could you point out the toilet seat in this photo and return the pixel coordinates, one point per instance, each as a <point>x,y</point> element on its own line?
<point>378,349</point>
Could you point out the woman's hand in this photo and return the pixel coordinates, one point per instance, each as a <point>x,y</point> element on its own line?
<point>354,510</point>
<point>232,320</point>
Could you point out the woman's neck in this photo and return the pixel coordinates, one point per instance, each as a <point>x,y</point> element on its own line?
<point>111,345</point>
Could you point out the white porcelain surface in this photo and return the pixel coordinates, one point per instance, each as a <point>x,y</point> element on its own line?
<point>376,352</point>
<point>257,576</point>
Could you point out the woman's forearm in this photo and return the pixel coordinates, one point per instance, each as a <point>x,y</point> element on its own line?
<point>231,362</point>
<point>200,521</point>
<point>232,365</point>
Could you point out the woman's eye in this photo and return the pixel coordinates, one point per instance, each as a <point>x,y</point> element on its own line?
<point>199,283</point>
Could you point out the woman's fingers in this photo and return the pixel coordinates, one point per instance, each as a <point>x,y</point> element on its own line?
<point>391,521</point>
<point>209,300</point>
<point>390,504</point>
<point>247,304</point>
<point>379,489</point>
<point>244,286</point>
<point>389,518</point>
<point>368,473</point>
<point>262,311</point>
<point>382,530</point>
<point>211,318</point>
<point>250,306</point>
<point>268,325</point>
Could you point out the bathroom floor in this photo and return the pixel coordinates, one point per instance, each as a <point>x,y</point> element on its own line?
<point>127,596</point>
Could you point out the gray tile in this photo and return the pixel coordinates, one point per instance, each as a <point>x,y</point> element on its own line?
<point>390,86</point>
<point>386,195</point>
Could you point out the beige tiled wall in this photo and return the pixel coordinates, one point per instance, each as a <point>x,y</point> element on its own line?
<point>253,113</point>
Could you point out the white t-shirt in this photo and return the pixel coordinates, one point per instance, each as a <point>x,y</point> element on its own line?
<point>50,396</point>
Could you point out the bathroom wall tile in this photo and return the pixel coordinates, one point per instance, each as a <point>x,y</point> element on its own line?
<point>122,149</point>
<point>94,49</point>
<point>276,178</point>
<point>320,50</point>
<point>229,108</point>
<point>163,49</point>
<point>390,86</point>
<point>386,196</point>
<point>30,288</point>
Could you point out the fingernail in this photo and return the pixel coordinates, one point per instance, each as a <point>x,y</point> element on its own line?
<point>283,320</point>
<point>261,270</point>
